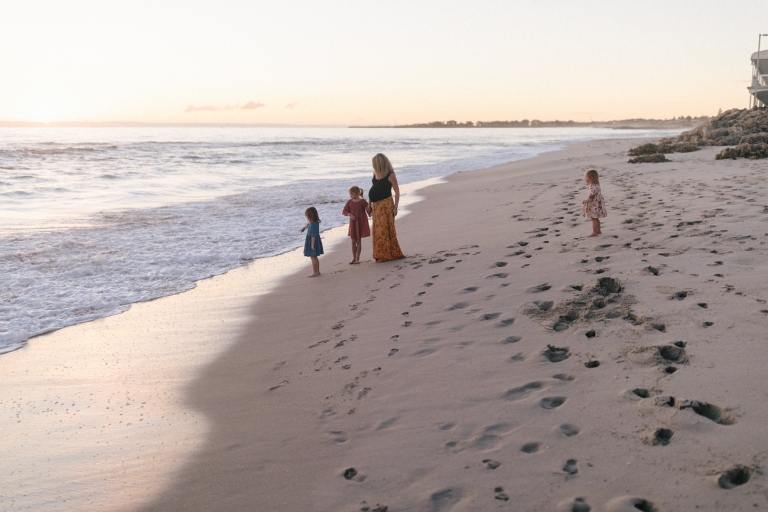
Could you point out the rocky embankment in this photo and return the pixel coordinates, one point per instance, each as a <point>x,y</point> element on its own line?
<point>746,129</point>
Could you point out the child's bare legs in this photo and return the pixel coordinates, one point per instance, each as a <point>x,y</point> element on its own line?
<point>596,227</point>
<point>315,266</point>
<point>356,246</point>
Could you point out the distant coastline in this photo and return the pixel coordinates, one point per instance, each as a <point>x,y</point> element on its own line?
<point>623,124</point>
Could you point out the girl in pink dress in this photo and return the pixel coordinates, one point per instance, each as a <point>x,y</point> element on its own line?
<point>355,209</point>
<point>594,205</point>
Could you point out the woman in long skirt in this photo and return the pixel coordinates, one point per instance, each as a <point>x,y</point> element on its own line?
<point>384,210</point>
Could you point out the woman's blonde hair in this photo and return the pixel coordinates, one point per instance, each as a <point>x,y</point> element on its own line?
<point>312,215</point>
<point>354,189</point>
<point>592,178</point>
<point>381,166</point>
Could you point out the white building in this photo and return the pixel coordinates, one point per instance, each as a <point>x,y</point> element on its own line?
<point>759,89</point>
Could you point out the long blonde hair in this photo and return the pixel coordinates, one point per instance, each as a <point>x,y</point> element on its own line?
<point>381,166</point>
<point>592,178</point>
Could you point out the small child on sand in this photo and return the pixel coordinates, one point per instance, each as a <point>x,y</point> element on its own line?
<point>313,246</point>
<point>594,205</point>
<point>355,209</point>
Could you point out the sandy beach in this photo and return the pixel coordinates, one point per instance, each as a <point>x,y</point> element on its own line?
<point>509,362</point>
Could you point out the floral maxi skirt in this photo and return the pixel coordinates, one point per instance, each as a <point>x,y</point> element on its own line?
<point>385,246</point>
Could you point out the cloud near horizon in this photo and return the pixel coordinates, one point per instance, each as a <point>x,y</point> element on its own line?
<point>291,105</point>
<point>251,105</point>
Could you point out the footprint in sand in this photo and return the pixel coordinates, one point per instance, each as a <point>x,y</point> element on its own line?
<point>630,504</point>
<point>338,436</point>
<point>530,447</point>
<point>500,494</point>
<point>735,477</point>
<point>552,402</point>
<point>709,411</point>
<point>387,423</point>
<point>283,383</point>
<point>444,499</point>
<point>575,505</point>
<point>556,354</point>
<point>660,436</point>
<point>571,467</point>
<point>491,436</point>
<point>523,391</point>
<point>536,306</point>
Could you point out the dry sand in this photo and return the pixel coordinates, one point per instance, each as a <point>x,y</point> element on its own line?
<point>426,384</point>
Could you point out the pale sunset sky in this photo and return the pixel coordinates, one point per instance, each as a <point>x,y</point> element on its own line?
<point>374,62</point>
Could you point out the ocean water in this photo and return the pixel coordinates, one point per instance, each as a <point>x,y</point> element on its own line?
<point>93,220</point>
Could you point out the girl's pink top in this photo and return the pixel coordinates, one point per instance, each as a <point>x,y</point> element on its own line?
<point>358,228</point>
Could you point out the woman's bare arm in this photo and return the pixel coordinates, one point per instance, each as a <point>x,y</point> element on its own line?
<point>396,188</point>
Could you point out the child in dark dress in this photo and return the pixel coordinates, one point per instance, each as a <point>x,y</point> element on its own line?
<point>355,209</point>
<point>313,246</point>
